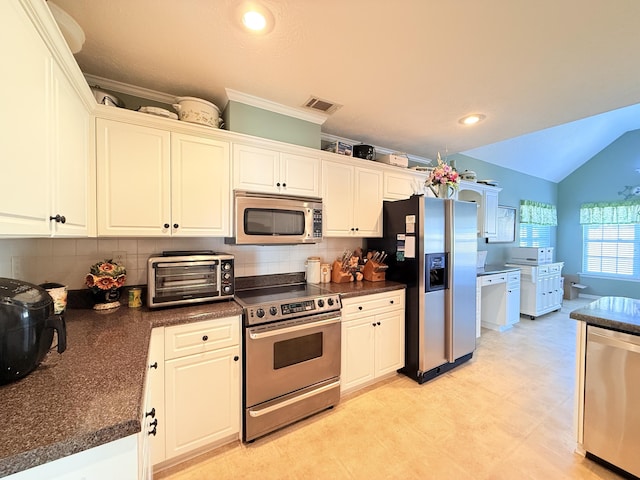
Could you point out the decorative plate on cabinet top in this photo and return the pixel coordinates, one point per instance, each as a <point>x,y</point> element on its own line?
<point>161,112</point>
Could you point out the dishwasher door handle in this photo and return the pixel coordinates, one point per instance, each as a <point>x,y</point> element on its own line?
<point>613,342</point>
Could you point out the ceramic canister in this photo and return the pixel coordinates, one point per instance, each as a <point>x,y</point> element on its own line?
<point>313,269</point>
<point>325,273</point>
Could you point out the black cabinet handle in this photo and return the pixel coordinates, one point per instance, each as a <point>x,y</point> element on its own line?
<point>151,414</point>
<point>357,229</point>
<point>360,307</point>
<point>278,184</point>
<point>373,324</point>
<point>391,302</point>
<point>284,184</point>
<point>153,432</point>
<point>205,338</point>
<point>166,225</point>
<point>154,365</point>
<point>175,225</point>
<point>58,218</point>
<point>353,229</point>
<point>236,358</point>
<point>377,323</point>
<point>154,424</point>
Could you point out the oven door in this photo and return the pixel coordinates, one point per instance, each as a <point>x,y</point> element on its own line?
<point>287,356</point>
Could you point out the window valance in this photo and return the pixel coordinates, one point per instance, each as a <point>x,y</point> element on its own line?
<point>538,213</point>
<point>627,211</point>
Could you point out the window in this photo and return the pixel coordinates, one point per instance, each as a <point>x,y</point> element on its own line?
<point>532,235</point>
<point>611,250</point>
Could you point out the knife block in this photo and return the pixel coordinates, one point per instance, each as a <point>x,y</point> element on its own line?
<point>338,276</point>
<point>371,272</point>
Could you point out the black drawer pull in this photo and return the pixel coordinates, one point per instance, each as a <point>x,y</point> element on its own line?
<point>154,365</point>
<point>205,338</point>
<point>151,414</point>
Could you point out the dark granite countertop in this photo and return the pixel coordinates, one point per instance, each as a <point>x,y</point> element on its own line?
<point>619,313</point>
<point>364,287</point>
<point>495,269</point>
<point>92,393</point>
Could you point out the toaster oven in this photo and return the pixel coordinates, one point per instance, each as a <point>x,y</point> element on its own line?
<point>179,278</point>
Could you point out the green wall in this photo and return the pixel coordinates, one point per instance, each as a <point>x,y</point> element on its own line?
<point>599,180</point>
<point>515,186</point>
<point>242,118</point>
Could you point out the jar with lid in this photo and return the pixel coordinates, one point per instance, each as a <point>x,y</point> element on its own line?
<point>313,269</point>
<point>325,273</point>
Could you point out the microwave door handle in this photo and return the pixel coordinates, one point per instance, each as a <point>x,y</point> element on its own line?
<point>297,328</point>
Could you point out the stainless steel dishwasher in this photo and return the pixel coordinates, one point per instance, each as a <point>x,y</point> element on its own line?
<point>612,398</point>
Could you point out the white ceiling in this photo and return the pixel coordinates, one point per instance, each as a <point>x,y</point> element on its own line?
<point>404,71</point>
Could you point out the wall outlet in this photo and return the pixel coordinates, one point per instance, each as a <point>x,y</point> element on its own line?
<point>120,257</point>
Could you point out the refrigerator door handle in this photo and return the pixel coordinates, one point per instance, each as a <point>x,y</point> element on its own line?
<point>448,293</point>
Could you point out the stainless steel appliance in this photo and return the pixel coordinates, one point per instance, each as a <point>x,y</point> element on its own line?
<point>27,323</point>
<point>184,277</point>
<point>292,355</point>
<point>612,396</point>
<point>264,219</point>
<point>432,248</point>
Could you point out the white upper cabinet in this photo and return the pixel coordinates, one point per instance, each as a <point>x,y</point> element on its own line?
<point>487,199</point>
<point>352,198</point>
<point>155,183</point>
<point>400,184</point>
<point>260,169</point>
<point>44,124</point>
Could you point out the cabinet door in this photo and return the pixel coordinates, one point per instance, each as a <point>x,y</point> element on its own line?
<point>399,185</point>
<point>74,174</point>
<point>256,169</point>
<point>513,305</point>
<point>389,350</point>
<point>133,173</point>
<point>155,386</point>
<point>25,188</point>
<point>367,204</point>
<point>490,224</point>
<point>337,197</point>
<point>358,346</point>
<point>200,193</point>
<point>300,175</point>
<point>202,399</point>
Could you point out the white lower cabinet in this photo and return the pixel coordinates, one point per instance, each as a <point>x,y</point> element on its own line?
<point>372,338</point>
<point>201,389</point>
<point>154,421</point>
<point>541,289</point>
<point>500,300</point>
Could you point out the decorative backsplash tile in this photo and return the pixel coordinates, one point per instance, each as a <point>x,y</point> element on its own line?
<point>67,261</point>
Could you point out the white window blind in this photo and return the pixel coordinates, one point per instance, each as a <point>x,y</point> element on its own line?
<point>611,250</point>
<point>533,235</point>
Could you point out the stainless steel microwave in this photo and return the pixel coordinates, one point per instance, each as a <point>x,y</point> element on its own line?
<point>182,278</point>
<point>266,219</point>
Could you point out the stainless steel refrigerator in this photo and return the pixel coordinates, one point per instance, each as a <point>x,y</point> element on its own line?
<point>431,245</point>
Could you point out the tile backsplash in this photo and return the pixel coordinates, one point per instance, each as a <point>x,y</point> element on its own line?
<point>67,261</point>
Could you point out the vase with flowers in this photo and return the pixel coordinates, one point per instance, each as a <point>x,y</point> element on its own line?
<point>105,280</point>
<point>443,179</point>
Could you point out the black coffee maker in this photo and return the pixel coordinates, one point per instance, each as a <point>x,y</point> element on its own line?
<point>27,323</point>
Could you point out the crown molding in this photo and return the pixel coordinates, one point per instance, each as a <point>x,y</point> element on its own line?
<point>307,115</point>
<point>328,137</point>
<point>130,89</point>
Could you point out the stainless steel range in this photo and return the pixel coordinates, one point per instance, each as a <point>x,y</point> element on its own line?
<point>292,354</point>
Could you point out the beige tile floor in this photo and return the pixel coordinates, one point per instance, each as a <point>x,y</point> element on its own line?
<point>506,414</point>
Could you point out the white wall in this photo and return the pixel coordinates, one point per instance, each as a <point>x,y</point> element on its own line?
<point>67,261</point>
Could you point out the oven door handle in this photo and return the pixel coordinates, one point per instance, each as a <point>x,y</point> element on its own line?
<point>291,401</point>
<point>295,328</point>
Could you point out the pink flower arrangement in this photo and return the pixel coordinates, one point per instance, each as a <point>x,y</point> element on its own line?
<point>105,275</point>
<point>443,174</point>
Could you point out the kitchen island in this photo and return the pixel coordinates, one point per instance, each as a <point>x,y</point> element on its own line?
<point>607,368</point>
<point>92,394</point>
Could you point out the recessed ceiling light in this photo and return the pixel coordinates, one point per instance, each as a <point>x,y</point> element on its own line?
<point>255,17</point>
<point>472,119</point>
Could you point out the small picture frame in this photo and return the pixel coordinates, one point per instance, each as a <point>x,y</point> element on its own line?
<point>506,225</point>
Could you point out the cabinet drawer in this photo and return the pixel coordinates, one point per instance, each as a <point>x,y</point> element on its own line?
<point>375,303</point>
<point>554,268</point>
<point>513,279</point>
<point>493,279</point>
<point>198,337</point>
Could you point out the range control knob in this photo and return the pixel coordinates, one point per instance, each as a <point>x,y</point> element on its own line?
<point>260,313</point>
<point>321,303</point>
<point>330,302</point>
<point>273,311</point>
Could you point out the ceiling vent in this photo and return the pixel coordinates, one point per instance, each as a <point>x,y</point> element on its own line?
<point>320,105</point>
